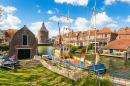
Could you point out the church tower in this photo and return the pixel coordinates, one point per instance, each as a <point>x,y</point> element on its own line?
<point>43,35</point>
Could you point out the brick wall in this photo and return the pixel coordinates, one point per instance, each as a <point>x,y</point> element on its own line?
<point>17,41</point>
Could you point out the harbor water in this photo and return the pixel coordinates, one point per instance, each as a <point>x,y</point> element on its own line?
<point>116,67</point>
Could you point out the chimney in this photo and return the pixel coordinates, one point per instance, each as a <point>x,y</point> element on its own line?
<point>118,37</point>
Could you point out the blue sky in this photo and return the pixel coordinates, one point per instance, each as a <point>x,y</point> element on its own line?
<point>17,13</point>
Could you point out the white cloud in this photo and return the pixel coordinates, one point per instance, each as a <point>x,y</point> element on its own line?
<point>127,1</point>
<point>102,18</point>
<point>73,2</point>
<point>38,11</point>
<point>10,22</point>
<point>109,2</point>
<point>37,5</point>
<point>15,27</point>
<point>112,25</point>
<point>62,19</point>
<point>128,19</point>
<point>118,17</point>
<point>50,12</point>
<point>9,9</point>
<point>81,24</point>
<point>34,27</point>
<point>53,12</point>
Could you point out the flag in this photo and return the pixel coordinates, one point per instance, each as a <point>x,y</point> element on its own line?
<point>82,59</point>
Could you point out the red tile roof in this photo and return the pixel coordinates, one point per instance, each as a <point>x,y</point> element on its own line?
<point>105,30</point>
<point>79,41</point>
<point>72,40</point>
<point>74,33</point>
<point>101,39</point>
<point>92,32</point>
<point>125,30</point>
<point>123,37</point>
<point>118,44</point>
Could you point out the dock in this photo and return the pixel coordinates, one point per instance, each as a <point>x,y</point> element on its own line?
<point>111,55</point>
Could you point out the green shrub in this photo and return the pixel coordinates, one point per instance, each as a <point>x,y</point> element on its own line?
<point>90,46</point>
<point>112,54</point>
<point>79,47</point>
<point>118,54</point>
<point>83,50</point>
<point>106,53</point>
<point>4,47</point>
<point>73,49</point>
<point>68,45</point>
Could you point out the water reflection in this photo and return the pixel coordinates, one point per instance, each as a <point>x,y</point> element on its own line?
<point>115,66</point>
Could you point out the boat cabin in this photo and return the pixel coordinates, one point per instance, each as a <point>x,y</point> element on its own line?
<point>62,51</point>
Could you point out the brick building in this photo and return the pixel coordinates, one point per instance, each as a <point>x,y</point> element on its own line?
<point>104,37</point>
<point>9,34</point>
<point>23,44</point>
<point>43,35</point>
<point>121,44</point>
<point>2,37</point>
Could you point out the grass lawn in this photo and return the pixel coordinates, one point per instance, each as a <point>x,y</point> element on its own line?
<point>40,76</point>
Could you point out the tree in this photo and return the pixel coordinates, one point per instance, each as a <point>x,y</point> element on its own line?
<point>90,46</point>
<point>73,49</point>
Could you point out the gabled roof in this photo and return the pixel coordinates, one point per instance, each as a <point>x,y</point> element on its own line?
<point>118,44</point>
<point>92,32</point>
<point>125,30</point>
<point>105,30</point>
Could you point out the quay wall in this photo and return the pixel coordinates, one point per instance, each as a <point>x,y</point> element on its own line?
<point>71,74</point>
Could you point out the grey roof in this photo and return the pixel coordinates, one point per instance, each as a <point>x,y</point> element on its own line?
<point>43,26</point>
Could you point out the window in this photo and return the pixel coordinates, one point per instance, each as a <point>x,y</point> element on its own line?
<point>98,36</point>
<point>105,35</point>
<point>71,38</point>
<point>102,35</point>
<point>24,39</point>
<point>121,50</point>
<point>80,38</point>
<point>117,50</point>
<point>82,34</point>
<point>76,34</point>
<point>86,37</point>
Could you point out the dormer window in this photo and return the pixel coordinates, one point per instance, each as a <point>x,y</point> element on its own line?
<point>24,39</point>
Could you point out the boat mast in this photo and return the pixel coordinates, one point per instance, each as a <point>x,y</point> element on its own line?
<point>94,15</point>
<point>67,19</point>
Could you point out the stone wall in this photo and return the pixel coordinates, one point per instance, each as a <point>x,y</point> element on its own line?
<point>74,75</point>
<point>17,42</point>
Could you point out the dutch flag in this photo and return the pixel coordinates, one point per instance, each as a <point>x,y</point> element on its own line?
<point>82,59</point>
